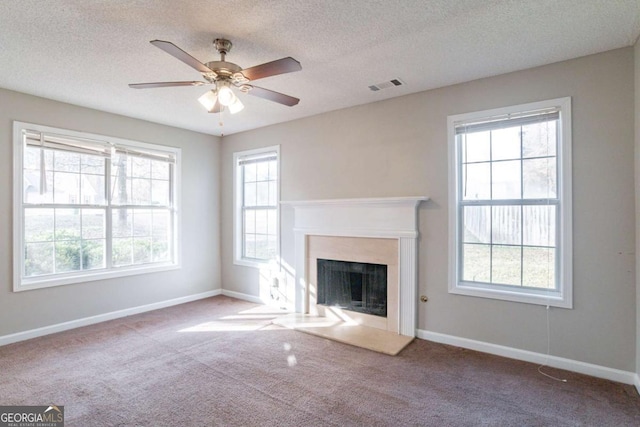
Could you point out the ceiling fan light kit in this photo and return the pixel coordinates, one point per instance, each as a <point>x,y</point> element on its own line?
<point>225,76</point>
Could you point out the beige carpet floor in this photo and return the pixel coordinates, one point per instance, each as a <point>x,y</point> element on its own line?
<point>220,362</point>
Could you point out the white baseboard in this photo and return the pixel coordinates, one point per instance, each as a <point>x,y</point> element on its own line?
<point>245,297</point>
<point>86,321</point>
<point>530,356</point>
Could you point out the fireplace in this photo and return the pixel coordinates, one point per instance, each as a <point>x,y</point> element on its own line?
<point>355,286</point>
<point>382,231</point>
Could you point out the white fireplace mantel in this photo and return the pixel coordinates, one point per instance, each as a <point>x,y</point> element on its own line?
<point>389,217</point>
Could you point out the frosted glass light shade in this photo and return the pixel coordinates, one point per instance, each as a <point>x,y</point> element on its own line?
<point>236,106</point>
<point>208,100</point>
<point>225,96</point>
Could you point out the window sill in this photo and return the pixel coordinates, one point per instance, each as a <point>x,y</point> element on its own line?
<point>27,284</point>
<point>546,298</point>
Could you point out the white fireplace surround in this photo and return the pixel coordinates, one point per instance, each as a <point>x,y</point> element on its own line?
<point>389,217</point>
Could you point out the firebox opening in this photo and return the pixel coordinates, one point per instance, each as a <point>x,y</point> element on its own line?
<point>353,286</point>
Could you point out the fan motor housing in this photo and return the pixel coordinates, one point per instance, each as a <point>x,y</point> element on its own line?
<point>224,68</point>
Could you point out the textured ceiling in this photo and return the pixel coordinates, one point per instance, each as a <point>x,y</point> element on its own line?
<point>85,52</point>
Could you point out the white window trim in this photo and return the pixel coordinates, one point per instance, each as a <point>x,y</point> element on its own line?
<point>237,207</point>
<point>563,297</point>
<point>24,284</point>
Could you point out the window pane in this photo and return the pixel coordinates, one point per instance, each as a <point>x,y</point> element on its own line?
<point>66,162</point>
<point>93,254</point>
<point>539,178</point>
<point>539,139</point>
<point>120,185</point>
<point>273,193</point>
<point>272,222</point>
<point>506,225</point>
<point>250,245</point>
<point>92,164</point>
<point>68,255</point>
<point>477,224</point>
<point>38,225</point>
<point>47,196</point>
<point>66,188</point>
<point>476,263</point>
<point>539,225</point>
<point>160,170</point>
<point>261,221</point>
<point>272,242</point>
<point>476,147</point>
<point>506,180</point>
<point>38,259</point>
<point>92,189</point>
<point>249,221</point>
<point>140,168</point>
<point>31,158</point>
<point>263,193</point>
<point>160,249</point>
<point>141,222</point>
<point>476,179</point>
<point>141,250</point>
<point>506,265</point>
<point>122,251</point>
<point>250,172</point>
<point>122,223</point>
<point>538,269</point>
<point>161,224</point>
<point>67,224</point>
<point>160,192</point>
<point>93,224</point>
<point>273,170</point>
<point>262,246</point>
<point>250,196</point>
<point>31,187</point>
<point>141,191</point>
<point>262,171</point>
<point>505,144</point>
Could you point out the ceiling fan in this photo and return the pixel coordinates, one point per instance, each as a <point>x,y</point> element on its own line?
<point>225,75</point>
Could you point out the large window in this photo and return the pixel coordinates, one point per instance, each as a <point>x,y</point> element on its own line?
<point>256,220</point>
<point>90,207</point>
<point>510,203</point>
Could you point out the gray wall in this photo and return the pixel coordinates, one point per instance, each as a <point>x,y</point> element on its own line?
<point>200,271</point>
<point>398,147</point>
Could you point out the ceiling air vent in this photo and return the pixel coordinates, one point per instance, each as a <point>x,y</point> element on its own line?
<point>386,85</point>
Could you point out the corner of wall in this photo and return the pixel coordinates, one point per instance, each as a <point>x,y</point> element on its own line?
<point>637,193</point>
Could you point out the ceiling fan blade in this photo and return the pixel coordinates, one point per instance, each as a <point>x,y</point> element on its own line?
<point>278,97</point>
<point>180,54</point>
<point>163,84</point>
<point>280,66</point>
